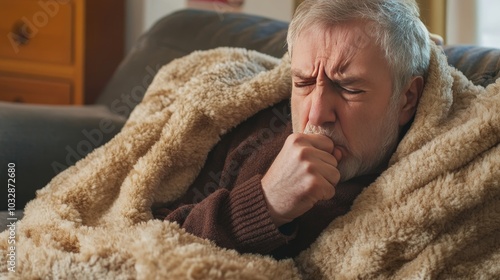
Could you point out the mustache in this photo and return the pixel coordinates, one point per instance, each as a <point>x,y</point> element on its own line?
<point>337,138</point>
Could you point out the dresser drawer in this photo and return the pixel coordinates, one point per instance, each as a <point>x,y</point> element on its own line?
<point>24,90</point>
<point>35,30</point>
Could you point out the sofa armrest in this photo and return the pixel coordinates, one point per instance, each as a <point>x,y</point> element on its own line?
<point>481,65</point>
<point>44,140</point>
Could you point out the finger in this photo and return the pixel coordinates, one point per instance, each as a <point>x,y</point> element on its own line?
<point>323,191</point>
<point>330,173</point>
<point>325,143</point>
<point>324,168</point>
<point>325,158</point>
<point>324,164</point>
<point>320,142</point>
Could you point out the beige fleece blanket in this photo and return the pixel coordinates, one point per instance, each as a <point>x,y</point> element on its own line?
<point>435,213</point>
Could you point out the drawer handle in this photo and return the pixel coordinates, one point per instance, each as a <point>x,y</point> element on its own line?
<point>21,32</point>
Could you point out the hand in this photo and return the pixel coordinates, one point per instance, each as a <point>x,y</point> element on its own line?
<point>304,172</point>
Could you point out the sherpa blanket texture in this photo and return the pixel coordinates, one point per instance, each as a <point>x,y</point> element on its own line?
<point>433,214</point>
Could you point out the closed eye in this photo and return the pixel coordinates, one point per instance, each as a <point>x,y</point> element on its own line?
<point>304,84</point>
<point>346,90</point>
<point>351,91</point>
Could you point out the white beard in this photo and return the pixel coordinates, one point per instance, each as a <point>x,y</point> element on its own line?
<point>357,164</point>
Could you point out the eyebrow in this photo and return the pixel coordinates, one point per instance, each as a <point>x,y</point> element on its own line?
<point>351,80</point>
<point>342,81</point>
<point>300,74</point>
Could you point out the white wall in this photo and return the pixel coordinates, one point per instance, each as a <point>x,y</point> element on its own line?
<point>489,23</point>
<point>468,21</point>
<point>142,14</point>
<point>277,9</point>
<point>473,22</point>
<point>461,22</point>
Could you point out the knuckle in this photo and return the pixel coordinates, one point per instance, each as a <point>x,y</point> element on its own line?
<point>308,167</point>
<point>296,139</point>
<point>312,184</point>
<point>303,154</point>
<point>293,137</point>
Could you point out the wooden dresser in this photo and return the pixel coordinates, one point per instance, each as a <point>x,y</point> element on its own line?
<point>59,51</point>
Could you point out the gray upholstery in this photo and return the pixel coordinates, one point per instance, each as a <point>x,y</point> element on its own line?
<point>43,140</point>
<point>180,34</point>
<point>480,65</point>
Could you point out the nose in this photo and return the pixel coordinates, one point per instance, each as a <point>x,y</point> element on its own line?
<point>322,111</point>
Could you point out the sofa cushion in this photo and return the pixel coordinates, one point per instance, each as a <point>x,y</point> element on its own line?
<point>480,65</point>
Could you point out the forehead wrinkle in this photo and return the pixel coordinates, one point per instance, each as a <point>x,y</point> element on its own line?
<point>337,50</point>
<point>316,67</point>
<point>338,38</point>
<point>343,52</point>
<point>345,62</point>
<point>338,64</point>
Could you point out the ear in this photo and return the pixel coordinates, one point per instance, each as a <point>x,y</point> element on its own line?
<point>409,100</point>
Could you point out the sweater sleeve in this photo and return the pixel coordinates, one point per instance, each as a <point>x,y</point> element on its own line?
<point>235,219</point>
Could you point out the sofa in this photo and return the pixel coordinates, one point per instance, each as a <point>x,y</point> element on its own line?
<point>44,140</point>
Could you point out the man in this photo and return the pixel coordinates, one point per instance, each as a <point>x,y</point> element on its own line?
<point>358,71</point>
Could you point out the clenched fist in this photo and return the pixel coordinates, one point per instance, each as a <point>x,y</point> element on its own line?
<point>304,172</point>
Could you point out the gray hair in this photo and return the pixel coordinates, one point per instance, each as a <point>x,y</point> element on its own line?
<point>394,25</point>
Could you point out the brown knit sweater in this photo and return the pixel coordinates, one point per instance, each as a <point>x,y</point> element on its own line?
<point>226,203</point>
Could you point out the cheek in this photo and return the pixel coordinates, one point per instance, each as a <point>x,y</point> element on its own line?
<point>366,129</point>
<point>300,111</point>
<point>357,125</point>
<point>368,125</point>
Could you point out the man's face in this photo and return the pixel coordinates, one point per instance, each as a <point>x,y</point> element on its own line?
<point>345,88</point>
